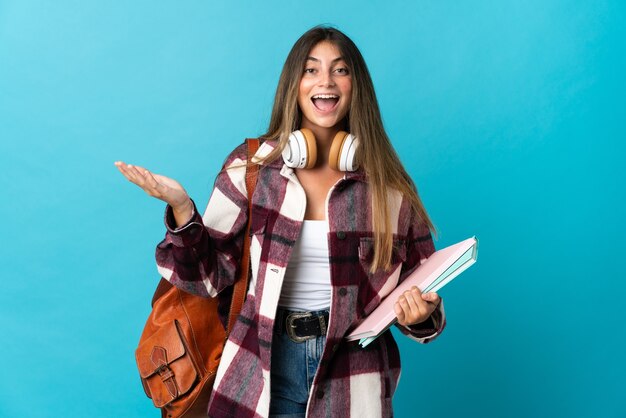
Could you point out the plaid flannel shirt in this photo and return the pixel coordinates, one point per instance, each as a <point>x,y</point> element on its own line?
<point>202,257</point>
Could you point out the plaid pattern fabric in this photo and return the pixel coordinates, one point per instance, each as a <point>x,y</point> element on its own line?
<point>202,257</point>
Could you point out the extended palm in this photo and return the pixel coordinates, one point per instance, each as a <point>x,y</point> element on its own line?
<point>156,185</point>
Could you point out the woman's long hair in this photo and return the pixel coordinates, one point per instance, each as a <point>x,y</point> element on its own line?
<point>375,153</point>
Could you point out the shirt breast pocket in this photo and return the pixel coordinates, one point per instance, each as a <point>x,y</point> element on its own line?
<point>258,221</point>
<point>380,283</point>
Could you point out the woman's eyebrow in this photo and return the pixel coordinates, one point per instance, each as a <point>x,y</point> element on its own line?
<point>332,62</point>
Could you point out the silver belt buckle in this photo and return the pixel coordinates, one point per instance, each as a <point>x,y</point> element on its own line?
<point>291,328</point>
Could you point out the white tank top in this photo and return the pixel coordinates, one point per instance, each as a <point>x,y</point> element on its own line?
<point>306,286</point>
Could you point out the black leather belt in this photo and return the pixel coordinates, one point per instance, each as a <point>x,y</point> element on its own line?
<point>301,326</point>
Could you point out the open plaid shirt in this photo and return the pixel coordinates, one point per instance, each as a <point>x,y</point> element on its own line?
<point>202,257</point>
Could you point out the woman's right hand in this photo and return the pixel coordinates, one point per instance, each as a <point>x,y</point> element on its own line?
<point>161,187</point>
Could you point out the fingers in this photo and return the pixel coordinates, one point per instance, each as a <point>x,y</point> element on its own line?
<point>405,310</point>
<point>140,173</point>
<point>414,302</point>
<point>155,187</point>
<point>140,176</point>
<point>414,307</point>
<point>399,313</point>
<point>431,297</point>
<point>130,172</point>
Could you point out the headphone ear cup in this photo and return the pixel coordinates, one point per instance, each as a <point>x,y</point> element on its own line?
<point>311,147</point>
<point>343,151</point>
<point>301,149</point>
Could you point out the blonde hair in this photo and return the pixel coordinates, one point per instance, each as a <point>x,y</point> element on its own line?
<point>375,154</point>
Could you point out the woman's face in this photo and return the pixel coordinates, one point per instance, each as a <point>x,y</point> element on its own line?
<point>325,89</point>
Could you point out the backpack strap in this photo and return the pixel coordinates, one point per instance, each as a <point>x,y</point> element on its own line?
<point>241,285</point>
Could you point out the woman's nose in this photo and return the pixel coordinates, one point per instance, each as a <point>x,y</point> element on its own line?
<point>326,79</point>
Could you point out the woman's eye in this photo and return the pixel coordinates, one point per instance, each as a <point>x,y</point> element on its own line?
<point>342,70</point>
<point>309,70</point>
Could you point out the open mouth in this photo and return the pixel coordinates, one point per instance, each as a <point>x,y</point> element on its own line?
<point>325,102</point>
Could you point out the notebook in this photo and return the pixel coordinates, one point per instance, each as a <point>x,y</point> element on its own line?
<point>433,274</point>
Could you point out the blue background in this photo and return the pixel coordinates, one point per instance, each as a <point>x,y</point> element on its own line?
<point>509,115</point>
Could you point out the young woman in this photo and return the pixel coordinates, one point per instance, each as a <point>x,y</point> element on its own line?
<point>332,234</point>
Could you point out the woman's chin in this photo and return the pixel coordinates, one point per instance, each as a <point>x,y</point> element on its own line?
<point>323,122</point>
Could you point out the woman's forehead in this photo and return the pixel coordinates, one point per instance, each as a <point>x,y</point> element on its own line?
<point>325,50</point>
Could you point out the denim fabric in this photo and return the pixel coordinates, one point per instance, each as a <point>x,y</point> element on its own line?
<point>293,368</point>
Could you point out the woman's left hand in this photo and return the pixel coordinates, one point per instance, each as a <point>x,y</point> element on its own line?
<point>414,307</point>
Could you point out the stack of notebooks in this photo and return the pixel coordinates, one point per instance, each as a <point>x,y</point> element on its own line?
<point>433,274</point>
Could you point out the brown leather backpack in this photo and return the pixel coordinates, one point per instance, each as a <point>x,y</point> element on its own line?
<point>182,341</point>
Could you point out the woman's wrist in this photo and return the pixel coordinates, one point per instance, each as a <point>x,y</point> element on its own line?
<point>183,212</point>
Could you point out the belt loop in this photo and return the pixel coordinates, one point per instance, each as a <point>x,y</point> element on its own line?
<point>322,319</point>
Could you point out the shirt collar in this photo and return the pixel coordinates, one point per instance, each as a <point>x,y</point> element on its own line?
<point>264,149</point>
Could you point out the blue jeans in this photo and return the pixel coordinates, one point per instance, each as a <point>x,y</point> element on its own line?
<point>292,371</point>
